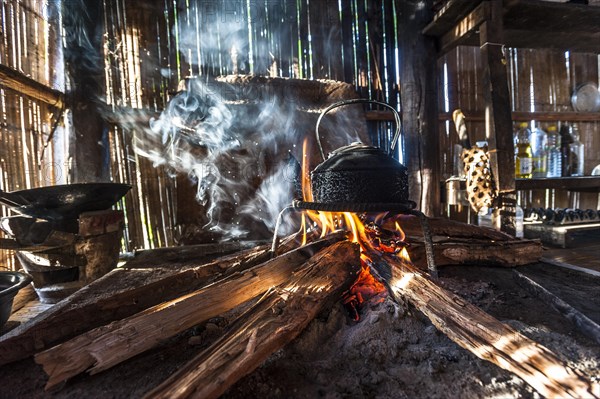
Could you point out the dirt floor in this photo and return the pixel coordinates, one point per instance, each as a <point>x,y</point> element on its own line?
<point>392,352</point>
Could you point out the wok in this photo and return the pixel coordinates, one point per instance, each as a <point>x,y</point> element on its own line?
<point>64,202</point>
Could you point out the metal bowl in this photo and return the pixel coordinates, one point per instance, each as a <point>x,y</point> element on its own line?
<point>586,98</point>
<point>10,284</point>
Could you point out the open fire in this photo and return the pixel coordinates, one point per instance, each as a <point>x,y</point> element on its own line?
<point>364,230</point>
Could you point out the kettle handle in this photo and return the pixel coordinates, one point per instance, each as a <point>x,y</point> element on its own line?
<point>358,101</point>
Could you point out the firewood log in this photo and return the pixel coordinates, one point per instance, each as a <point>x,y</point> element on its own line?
<point>144,282</point>
<point>121,293</point>
<point>109,345</point>
<point>445,227</point>
<point>453,251</point>
<point>480,333</point>
<point>272,323</point>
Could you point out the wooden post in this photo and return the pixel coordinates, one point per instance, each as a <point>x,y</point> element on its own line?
<point>82,23</point>
<point>498,121</point>
<point>418,92</point>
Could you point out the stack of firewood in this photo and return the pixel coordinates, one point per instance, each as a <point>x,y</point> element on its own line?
<point>92,332</point>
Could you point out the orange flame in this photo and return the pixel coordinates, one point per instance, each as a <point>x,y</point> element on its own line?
<point>366,287</point>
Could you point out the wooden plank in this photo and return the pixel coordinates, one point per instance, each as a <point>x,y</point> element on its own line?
<point>482,334</point>
<point>466,27</point>
<point>589,184</point>
<point>262,331</point>
<point>106,346</point>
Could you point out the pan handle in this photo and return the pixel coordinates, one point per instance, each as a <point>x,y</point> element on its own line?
<point>358,101</point>
<point>11,200</point>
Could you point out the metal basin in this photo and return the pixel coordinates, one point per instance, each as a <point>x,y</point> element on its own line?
<point>10,284</point>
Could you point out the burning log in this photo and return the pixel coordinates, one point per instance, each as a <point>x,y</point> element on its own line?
<point>106,346</point>
<point>274,321</point>
<point>480,333</point>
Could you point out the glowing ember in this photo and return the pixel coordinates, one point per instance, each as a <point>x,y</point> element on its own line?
<point>366,231</point>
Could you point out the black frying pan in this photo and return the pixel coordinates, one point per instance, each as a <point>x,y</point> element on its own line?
<point>64,201</point>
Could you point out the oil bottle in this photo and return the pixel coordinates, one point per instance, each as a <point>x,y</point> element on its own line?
<point>523,156</point>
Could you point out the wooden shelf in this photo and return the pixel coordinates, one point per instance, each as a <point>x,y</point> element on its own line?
<point>526,24</point>
<point>541,116</point>
<point>582,183</point>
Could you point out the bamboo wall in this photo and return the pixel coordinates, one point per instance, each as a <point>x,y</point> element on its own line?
<point>149,48</point>
<point>28,38</point>
<point>539,80</point>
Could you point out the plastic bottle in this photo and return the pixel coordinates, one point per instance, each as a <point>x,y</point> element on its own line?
<point>523,159</point>
<point>484,217</point>
<point>554,155</point>
<point>565,150</point>
<point>539,151</point>
<point>519,216</point>
<point>577,153</point>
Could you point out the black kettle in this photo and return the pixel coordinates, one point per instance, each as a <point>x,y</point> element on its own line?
<point>359,174</point>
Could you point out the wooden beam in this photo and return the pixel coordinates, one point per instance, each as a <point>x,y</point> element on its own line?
<point>16,81</point>
<point>419,100</point>
<point>447,16</point>
<point>541,116</point>
<point>106,346</point>
<point>467,26</point>
<point>498,122</point>
<point>272,323</point>
<point>482,334</point>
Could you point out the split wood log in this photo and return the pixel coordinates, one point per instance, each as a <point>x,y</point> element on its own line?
<point>445,227</point>
<point>481,334</point>
<point>119,294</point>
<point>106,346</point>
<point>583,323</point>
<point>454,251</point>
<point>276,320</point>
<point>129,290</point>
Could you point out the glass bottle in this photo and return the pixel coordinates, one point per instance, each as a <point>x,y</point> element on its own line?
<point>523,158</point>
<point>554,155</point>
<point>577,153</point>
<point>565,150</point>
<point>539,145</point>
